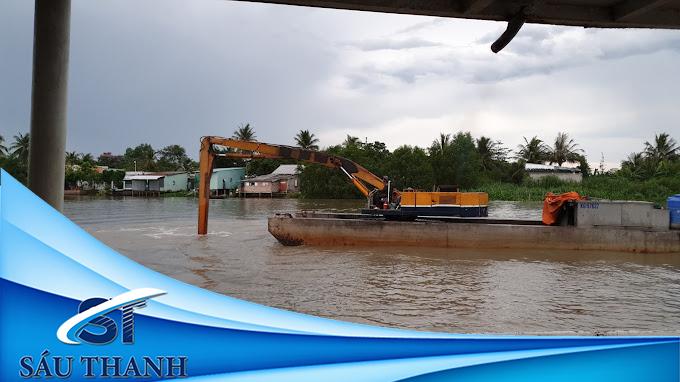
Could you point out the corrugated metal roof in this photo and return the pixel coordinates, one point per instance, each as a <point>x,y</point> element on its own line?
<point>227,168</point>
<point>144,177</point>
<point>140,175</point>
<point>285,169</point>
<point>268,178</point>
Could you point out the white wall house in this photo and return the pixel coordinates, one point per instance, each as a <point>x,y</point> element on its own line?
<point>156,181</point>
<point>538,171</point>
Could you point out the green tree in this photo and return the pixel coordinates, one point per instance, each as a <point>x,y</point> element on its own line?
<point>564,150</point>
<point>635,166</point>
<point>115,176</point>
<point>257,167</point>
<point>244,133</point>
<point>490,152</point>
<point>532,151</point>
<point>409,167</point>
<point>144,155</point>
<point>84,171</point>
<point>16,163</point>
<point>583,165</point>
<point>3,149</point>
<point>306,140</point>
<point>441,163</point>
<point>110,160</point>
<point>321,182</point>
<point>351,141</point>
<point>664,148</point>
<point>173,158</point>
<point>466,160</point>
<point>72,158</point>
<point>20,147</point>
<point>441,146</point>
<point>87,158</point>
<point>455,160</point>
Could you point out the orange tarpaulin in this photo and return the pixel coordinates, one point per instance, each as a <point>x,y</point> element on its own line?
<point>552,205</point>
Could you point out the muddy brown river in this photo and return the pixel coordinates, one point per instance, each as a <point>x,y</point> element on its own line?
<point>451,290</point>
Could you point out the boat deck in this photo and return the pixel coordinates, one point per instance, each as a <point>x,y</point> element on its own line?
<point>336,229</point>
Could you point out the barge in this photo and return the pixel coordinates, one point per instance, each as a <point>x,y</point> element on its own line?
<point>595,225</point>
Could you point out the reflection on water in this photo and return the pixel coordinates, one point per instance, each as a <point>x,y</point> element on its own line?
<point>454,290</point>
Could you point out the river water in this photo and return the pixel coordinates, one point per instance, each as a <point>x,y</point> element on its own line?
<point>451,290</point>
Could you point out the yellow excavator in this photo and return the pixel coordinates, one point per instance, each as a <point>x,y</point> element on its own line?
<point>382,198</point>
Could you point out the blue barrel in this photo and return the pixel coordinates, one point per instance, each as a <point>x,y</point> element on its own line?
<point>674,208</point>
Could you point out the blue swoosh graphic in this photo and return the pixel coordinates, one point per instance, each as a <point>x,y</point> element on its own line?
<point>48,265</point>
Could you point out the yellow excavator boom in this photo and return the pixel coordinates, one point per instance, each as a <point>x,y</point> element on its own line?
<point>358,175</point>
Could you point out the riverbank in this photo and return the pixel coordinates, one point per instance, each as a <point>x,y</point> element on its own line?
<point>655,190</point>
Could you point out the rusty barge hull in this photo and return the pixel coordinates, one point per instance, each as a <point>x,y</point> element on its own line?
<point>358,230</point>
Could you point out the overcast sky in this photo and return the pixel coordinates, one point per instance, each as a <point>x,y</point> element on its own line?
<point>170,71</point>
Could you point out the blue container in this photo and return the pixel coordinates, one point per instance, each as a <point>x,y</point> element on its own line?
<point>674,208</point>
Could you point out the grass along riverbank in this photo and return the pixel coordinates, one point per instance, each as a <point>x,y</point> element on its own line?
<point>612,187</point>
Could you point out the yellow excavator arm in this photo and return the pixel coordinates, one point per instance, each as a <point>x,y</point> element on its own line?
<point>358,175</point>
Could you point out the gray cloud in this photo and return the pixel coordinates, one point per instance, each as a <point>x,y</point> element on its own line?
<point>392,44</point>
<point>537,50</point>
<point>430,22</point>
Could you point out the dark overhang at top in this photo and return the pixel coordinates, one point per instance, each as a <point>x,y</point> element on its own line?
<point>585,13</point>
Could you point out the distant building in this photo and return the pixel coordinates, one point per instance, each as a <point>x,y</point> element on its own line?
<point>224,180</point>
<point>538,171</point>
<point>155,182</point>
<point>283,180</point>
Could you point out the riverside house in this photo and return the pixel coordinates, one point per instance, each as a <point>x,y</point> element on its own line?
<point>150,183</point>
<point>282,181</point>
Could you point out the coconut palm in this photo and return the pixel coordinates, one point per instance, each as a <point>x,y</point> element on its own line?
<point>351,141</point>
<point>634,162</point>
<point>664,148</point>
<point>532,151</point>
<point>490,151</point>
<point>441,145</point>
<point>564,150</point>
<point>244,133</point>
<point>72,158</point>
<point>639,166</point>
<point>87,158</point>
<point>20,147</point>
<point>306,140</point>
<point>3,149</point>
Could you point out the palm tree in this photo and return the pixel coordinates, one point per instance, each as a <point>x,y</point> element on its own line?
<point>664,148</point>
<point>244,133</point>
<point>3,149</point>
<point>490,151</point>
<point>638,166</point>
<point>306,140</point>
<point>21,146</point>
<point>72,158</point>
<point>351,141</point>
<point>564,150</point>
<point>87,158</point>
<point>441,145</point>
<point>532,151</point>
<point>634,162</point>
